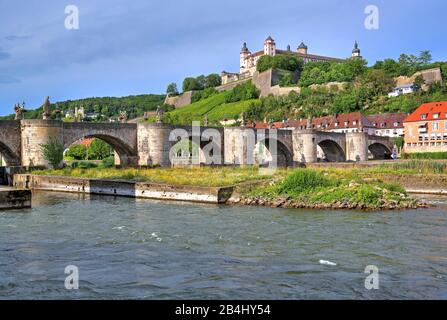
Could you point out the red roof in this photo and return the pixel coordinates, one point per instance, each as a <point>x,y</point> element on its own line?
<point>86,141</point>
<point>339,121</point>
<point>387,120</point>
<point>428,110</point>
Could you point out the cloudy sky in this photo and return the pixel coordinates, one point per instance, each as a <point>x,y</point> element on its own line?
<point>132,47</point>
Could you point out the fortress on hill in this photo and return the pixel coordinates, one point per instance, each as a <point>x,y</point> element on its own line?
<point>249,60</point>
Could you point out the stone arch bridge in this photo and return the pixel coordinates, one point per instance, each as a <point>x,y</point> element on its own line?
<point>151,144</point>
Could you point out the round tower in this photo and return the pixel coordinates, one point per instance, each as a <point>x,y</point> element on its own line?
<point>245,53</point>
<point>269,47</point>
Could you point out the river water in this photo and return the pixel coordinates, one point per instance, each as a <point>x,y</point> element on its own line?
<point>143,249</point>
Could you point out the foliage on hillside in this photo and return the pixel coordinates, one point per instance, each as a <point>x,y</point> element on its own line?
<point>280,61</point>
<point>201,82</point>
<point>219,106</point>
<point>135,106</point>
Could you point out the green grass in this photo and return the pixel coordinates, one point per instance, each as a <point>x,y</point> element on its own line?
<point>196,176</point>
<point>214,107</point>
<point>425,155</point>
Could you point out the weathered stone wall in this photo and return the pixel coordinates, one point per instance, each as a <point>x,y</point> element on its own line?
<point>14,199</point>
<point>356,147</point>
<point>34,134</point>
<point>180,100</point>
<point>430,76</point>
<point>240,145</point>
<point>121,136</point>
<point>10,142</point>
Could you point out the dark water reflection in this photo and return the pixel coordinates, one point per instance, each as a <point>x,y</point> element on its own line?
<point>127,248</point>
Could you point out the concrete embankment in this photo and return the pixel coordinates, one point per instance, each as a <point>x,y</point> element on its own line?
<point>124,188</point>
<point>11,198</point>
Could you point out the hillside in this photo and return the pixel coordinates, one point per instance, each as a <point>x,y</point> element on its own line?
<point>107,107</point>
<point>214,107</point>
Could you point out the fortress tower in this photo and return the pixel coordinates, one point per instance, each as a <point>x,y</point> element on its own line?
<point>245,53</point>
<point>356,51</point>
<point>269,47</point>
<point>302,48</point>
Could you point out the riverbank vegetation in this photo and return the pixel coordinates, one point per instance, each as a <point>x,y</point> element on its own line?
<point>310,188</point>
<point>354,188</point>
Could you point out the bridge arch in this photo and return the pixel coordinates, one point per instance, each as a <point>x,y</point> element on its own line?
<point>9,156</point>
<point>379,151</point>
<point>330,151</point>
<point>126,154</point>
<point>264,153</point>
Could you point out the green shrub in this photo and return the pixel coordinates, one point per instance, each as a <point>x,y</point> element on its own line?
<point>425,155</point>
<point>302,180</point>
<point>53,152</point>
<point>83,165</point>
<point>108,162</point>
<point>245,91</point>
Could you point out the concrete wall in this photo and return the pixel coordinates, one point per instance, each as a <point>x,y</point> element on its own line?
<point>125,188</point>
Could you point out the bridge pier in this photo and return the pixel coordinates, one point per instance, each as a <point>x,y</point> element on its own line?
<point>356,146</point>
<point>304,146</point>
<point>34,134</point>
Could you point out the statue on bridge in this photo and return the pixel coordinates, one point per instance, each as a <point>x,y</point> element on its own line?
<point>19,111</point>
<point>58,113</point>
<point>123,117</point>
<point>243,121</point>
<point>46,115</point>
<point>160,112</point>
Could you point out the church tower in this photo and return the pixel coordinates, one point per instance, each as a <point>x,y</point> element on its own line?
<point>356,51</point>
<point>244,58</point>
<point>269,47</point>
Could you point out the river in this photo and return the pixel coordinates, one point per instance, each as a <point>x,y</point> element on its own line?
<point>143,249</point>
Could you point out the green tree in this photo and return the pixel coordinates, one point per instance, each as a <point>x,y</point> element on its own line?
<point>53,152</point>
<point>418,83</point>
<point>425,57</point>
<point>99,150</point>
<point>77,152</point>
<point>172,89</point>
<point>190,84</point>
<point>212,80</point>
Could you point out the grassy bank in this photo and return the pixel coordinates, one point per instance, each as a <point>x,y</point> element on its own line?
<point>338,189</point>
<point>195,176</point>
<point>301,188</point>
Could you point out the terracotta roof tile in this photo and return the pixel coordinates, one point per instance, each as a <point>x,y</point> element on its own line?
<point>429,109</point>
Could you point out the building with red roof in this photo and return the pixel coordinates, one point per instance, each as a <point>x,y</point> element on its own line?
<point>426,128</point>
<point>388,124</point>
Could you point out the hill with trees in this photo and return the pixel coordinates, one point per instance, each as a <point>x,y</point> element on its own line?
<point>105,107</point>
<point>356,87</point>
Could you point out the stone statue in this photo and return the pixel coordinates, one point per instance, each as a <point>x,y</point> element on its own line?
<point>123,117</point>
<point>46,109</point>
<point>58,113</point>
<point>243,122</point>
<point>205,121</point>
<point>19,111</point>
<point>160,112</point>
<point>309,123</point>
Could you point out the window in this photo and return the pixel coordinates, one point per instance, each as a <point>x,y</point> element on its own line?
<point>424,116</point>
<point>396,124</point>
<point>336,124</point>
<point>436,116</point>
<point>435,126</point>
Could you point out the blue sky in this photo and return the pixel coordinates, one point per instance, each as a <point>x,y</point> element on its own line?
<point>133,47</point>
